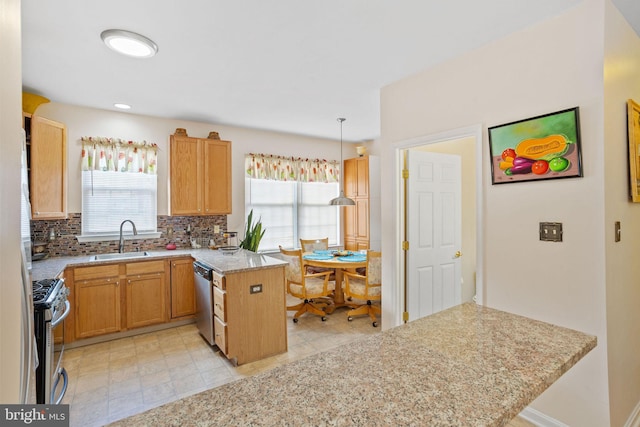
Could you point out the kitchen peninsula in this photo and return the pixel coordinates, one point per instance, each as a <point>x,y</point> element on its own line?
<point>466,366</point>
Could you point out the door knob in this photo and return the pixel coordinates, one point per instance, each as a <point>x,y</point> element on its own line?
<point>458,254</point>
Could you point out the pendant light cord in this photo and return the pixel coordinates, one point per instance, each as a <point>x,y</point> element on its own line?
<point>341,120</point>
<point>341,200</point>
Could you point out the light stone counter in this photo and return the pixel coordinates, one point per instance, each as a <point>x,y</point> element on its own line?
<point>466,366</point>
<point>243,260</point>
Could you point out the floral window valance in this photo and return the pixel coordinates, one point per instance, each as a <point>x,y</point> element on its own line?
<point>118,155</point>
<point>279,168</point>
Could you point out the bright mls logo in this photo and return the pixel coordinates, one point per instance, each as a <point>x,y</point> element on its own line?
<point>34,415</point>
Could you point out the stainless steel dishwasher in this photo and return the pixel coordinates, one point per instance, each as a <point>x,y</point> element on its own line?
<point>204,300</point>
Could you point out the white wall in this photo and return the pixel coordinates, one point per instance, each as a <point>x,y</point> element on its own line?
<point>81,121</point>
<point>622,81</point>
<point>548,67</point>
<point>10,150</point>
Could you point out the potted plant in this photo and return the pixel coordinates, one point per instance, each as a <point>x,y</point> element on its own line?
<point>253,234</point>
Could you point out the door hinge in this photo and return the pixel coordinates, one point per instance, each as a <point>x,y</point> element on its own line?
<point>405,316</point>
<point>405,245</point>
<point>405,173</point>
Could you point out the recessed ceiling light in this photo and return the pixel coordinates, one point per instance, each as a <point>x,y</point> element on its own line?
<point>128,43</point>
<point>122,106</point>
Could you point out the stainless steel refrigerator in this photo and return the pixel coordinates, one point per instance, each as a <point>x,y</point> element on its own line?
<point>29,355</point>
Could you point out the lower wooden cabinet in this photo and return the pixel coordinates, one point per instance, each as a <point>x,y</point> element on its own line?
<point>250,314</point>
<point>97,307</point>
<point>109,298</point>
<point>96,300</point>
<point>220,332</point>
<point>183,291</point>
<point>356,225</point>
<point>146,300</point>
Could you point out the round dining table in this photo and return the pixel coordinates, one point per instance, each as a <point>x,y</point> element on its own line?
<point>339,263</point>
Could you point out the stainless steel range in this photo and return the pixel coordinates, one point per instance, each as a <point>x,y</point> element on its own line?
<point>51,306</point>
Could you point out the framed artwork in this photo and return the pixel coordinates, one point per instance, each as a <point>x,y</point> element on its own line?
<point>542,147</point>
<point>633,129</point>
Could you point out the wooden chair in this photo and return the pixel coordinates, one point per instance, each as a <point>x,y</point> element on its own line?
<point>366,287</point>
<point>312,289</point>
<point>310,245</point>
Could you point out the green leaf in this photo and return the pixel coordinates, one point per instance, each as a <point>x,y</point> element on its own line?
<point>253,234</point>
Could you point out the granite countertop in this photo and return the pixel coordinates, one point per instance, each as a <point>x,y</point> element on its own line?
<point>466,366</point>
<point>224,264</point>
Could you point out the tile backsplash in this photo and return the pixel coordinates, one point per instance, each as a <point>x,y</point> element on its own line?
<point>66,230</point>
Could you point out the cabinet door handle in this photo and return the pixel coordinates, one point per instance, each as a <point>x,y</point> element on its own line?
<point>129,281</point>
<point>118,283</point>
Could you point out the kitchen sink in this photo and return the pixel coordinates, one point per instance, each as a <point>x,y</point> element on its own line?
<point>123,255</point>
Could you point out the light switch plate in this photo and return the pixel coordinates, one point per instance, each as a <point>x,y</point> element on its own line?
<point>551,231</point>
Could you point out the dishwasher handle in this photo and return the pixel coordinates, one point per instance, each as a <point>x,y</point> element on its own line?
<point>203,270</point>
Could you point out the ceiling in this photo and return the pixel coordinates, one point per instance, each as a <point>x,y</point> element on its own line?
<point>285,65</point>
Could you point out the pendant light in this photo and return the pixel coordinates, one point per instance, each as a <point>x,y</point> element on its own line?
<point>341,200</point>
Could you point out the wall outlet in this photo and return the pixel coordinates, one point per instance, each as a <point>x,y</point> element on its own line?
<point>551,231</point>
<point>255,289</point>
<point>216,229</point>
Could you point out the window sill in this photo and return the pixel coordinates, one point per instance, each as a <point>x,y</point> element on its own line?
<point>112,237</point>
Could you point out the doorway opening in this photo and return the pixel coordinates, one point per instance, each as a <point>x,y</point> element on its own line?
<point>466,144</point>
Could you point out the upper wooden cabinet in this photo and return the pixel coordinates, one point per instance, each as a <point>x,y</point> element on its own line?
<point>356,177</point>
<point>48,167</point>
<point>199,176</point>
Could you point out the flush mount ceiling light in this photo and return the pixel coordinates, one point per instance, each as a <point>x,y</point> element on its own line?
<point>122,106</point>
<point>128,43</point>
<point>341,200</point>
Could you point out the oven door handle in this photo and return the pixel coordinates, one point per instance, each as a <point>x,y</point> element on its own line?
<point>65,383</point>
<point>67,309</point>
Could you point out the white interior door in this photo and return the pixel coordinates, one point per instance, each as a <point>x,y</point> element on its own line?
<point>434,225</point>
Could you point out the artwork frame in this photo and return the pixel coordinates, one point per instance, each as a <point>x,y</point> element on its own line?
<point>537,148</point>
<point>633,132</point>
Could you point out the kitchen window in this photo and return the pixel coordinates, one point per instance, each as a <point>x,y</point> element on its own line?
<point>119,182</point>
<point>292,210</point>
<point>108,198</point>
<point>291,198</point>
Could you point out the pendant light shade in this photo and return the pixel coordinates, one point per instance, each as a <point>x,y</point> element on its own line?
<point>341,200</point>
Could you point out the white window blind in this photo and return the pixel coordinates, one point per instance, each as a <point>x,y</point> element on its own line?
<point>109,197</point>
<point>293,210</point>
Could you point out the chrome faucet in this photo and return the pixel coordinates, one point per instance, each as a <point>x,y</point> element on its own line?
<point>135,232</point>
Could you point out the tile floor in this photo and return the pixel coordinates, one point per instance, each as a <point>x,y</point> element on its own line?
<point>116,379</point>
<point>113,380</point>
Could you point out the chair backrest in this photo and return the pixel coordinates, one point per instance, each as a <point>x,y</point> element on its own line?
<point>293,269</point>
<point>314,244</point>
<point>374,267</point>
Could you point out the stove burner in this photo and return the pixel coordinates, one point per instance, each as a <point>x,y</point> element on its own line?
<point>42,290</point>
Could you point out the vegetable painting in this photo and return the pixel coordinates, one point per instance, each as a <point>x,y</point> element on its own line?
<point>542,147</point>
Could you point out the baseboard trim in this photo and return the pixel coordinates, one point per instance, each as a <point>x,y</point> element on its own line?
<point>539,419</point>
<point>634,418</point>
